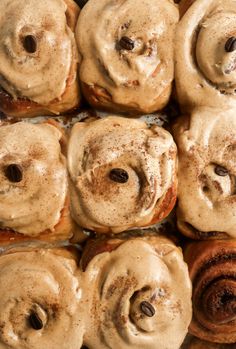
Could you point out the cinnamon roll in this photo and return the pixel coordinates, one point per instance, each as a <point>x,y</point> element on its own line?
<point>142,294</point>
<point>212,267</point>
<point>206,54</point>
<point>127,53</point>
<point>40,300</point>
<point>33,184</point>
<point>38,57</point>
<point>207,173</point>
<point>123,174</point>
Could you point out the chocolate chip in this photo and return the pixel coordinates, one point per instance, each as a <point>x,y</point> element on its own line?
<point>221,171</point>
<point>30,43</point>
<point>147,308</point>
<point>14,173</point>
<point>126,43</point>
<point>119,175</point>
<point>35,322</point>
<point>230,44</point>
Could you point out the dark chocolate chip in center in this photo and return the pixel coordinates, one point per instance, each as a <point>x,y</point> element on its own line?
<point>147,309</point>
<point>119,175</point>
<point>221,171</point>
<point>35,322</point>
<point>30,43</point>
<point>230,44</point>
<point>126,43</point>
<point>14,173</point>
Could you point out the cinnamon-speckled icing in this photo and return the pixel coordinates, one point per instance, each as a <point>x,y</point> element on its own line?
<point>33,204</point>
<point>207,200</point>
<point>139,270</point>
<point>40,76</point>
<point>134,78</point>
<point>45,283</point>
<point>205,70</point>
<point>146,154</point>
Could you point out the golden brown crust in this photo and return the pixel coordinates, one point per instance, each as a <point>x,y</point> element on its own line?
<point>212,271</point>
<point>69,101</point>
<point>100,98</point>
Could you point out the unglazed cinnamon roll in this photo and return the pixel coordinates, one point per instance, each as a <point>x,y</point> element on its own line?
<point>123,174</point>
<point>212,266</point>
<point>127,53</point>
<point>142,297</point>
<point>38,57</point>
<point>40,300</point>
<point>206,54</point>
<point>33,183</point>
<point>207,173</point>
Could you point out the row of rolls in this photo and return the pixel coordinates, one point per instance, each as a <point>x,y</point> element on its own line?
<point>130,292</point>
<point>123,57</point>
<point>114,174</point>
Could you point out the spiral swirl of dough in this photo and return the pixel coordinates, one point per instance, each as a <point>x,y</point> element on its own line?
<point>42,283</point>
<point>206,55</point>
<point>207,173</point>
<point>147,155</point>
<point>34,204</point>
<point>212,271</point>
<point>36,49</point>
<point>132,78</point>
<point>138,276</point>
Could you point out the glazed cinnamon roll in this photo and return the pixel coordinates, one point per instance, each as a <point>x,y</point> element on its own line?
<point>127,53</point>
<point>207,173</point>
<point>33,184</point>
<point>40,300</point>
<point>123,174</point>
<point>206,54</point>
<point>142,294</point>
<point>38,57</point>
<point>212,266</point>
